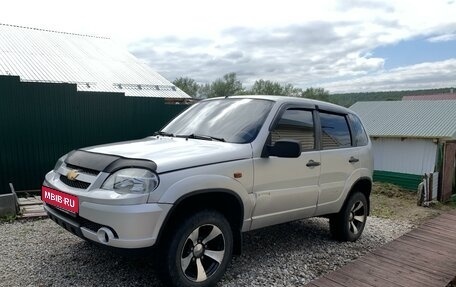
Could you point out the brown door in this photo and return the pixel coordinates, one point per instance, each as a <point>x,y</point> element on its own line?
<point>448,175</point>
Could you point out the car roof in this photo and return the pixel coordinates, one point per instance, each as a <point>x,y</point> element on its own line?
<point>296,101</point>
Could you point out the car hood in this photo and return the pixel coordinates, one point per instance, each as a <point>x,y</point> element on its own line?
<point>170,153</point>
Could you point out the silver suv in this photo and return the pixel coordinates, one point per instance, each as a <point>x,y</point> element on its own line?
<point>222,167</point>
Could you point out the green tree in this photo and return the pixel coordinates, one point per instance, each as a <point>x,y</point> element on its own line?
<point>204,91</point>
<point>187,85</point>
<point>229,85</point>
<point>266,87</point>
<point>316,94</point>
<point>291,91</point>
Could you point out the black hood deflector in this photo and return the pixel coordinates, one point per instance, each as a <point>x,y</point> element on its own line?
<point>106,162</point>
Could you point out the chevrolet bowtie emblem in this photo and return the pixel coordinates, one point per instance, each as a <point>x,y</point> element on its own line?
<point>72,174</point>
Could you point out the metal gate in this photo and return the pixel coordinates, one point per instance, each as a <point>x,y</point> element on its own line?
<point>39,122</point>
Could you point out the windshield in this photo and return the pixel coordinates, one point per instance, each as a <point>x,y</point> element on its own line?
<point>230,120</point>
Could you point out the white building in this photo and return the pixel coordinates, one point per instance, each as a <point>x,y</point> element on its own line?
<point>410,138</point>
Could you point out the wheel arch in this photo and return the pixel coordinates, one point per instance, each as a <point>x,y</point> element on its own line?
<point>363,185</point>
<point>225,201</point>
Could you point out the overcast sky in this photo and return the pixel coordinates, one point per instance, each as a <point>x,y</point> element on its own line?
<point>342,46</point>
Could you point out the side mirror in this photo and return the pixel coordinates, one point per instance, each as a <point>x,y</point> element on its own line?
<point>285,148</point>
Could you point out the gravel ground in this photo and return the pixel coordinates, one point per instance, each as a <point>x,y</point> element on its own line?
<point>41,253</point>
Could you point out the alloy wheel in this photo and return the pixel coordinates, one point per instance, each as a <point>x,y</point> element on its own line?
<point>357,217</point>
<point>203,252</point>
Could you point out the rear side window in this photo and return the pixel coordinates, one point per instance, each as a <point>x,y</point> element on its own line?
<point>359,134</point>
<point>297,125</point>
<point>335,131</point>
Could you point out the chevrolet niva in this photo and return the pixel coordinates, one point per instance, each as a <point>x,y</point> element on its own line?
<point>222,167</point>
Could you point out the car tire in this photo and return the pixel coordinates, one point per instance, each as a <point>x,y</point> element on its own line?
<point>349,223</point>
<point>198,251</point>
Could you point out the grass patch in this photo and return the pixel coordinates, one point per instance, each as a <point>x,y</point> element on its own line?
<point>393,202</point>
<point>392,190</point>
<point>8,218</point>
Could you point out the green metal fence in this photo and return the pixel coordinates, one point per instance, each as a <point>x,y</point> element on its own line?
<point>405,180</point>
<point>39,122</point>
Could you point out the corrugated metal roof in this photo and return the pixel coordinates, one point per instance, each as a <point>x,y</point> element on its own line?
<point>448,96</point>
<point>417,119</point>
<point>93,63</point>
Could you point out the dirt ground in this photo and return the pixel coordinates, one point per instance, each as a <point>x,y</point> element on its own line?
<point>390,201</point>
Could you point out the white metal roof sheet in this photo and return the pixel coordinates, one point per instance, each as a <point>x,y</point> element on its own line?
<point>416,119</point>
<point>94,63</point>
<point>434,97</point>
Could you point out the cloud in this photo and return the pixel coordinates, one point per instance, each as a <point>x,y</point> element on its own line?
<point>305,43</point>
<point>419,76</point>
<point>297,54</point>
<point>442,38</point>
<point>332,50</point>
<point>345,5</point>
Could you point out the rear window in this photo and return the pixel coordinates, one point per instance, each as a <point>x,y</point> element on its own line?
<point>359,134</point>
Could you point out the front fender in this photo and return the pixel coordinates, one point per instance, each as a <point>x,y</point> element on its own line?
<point>206,183</point>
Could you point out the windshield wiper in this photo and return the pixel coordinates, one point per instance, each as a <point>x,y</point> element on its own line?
<point>160,133</point>
<point>218,139</point>
<point>201,137</point>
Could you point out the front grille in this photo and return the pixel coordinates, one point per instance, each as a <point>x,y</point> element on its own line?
<point>83,169</point>
<point>74,183</point>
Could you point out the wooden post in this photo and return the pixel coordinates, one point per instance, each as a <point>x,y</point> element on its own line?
<point>449,156</point>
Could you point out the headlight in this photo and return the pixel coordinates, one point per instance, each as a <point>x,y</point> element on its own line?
<point>131,180</point>
<point>60,161</point>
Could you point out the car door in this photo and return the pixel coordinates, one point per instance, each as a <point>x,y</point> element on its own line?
<point>286,189</point>
<point>339,160</point>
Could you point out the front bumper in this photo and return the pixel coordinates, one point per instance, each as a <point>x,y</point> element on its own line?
<point>121,226</point>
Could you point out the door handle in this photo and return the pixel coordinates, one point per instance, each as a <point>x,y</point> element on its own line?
<point>312,163</point>
<point>353,159</point>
